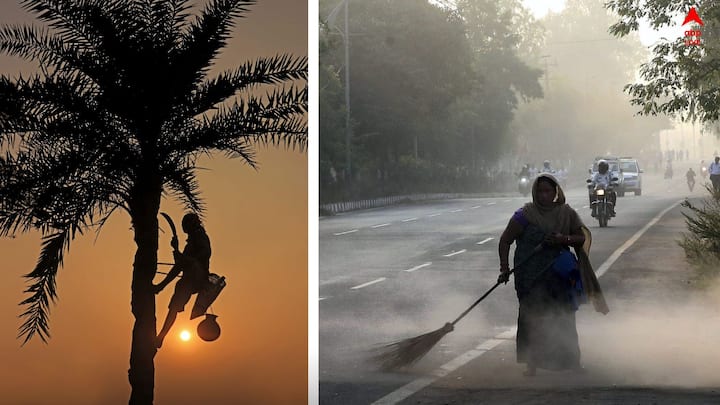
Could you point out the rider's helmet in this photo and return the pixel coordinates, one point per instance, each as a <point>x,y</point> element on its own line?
<point>603,166</point>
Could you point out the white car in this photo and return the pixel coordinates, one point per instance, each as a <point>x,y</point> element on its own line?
<point>631,172</point>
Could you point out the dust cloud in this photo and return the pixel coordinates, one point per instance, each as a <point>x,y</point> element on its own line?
<point>656,344</point>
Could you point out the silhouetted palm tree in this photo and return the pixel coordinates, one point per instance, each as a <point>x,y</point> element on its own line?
<point>119,113</point>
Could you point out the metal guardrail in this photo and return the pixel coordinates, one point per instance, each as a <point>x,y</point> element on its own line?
<point>345,206</point>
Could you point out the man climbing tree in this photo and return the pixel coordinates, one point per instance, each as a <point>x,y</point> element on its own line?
<point>194,263</point>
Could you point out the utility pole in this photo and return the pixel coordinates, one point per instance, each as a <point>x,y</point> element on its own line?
<point>345,33</point>
<point>348,160</point>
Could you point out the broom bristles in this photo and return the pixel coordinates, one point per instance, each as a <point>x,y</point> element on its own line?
<point>407,351</point>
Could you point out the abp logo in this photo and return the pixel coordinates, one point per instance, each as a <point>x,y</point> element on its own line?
<point>692,37</point>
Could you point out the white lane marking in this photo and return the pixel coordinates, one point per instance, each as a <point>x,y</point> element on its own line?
<point>616,254</point>
<point>323,298</point>
<point>379,280</point>
<point>447,368</point>
<point>491,203</point>
<point>418,267</point>
<point>436,214</point>
<point>507,200</point>
<point>410,219</point>
<point>345,233</point>
<point>380,226</point>
<point>586,206</point>
<point>455,253</point>
<point>457,210</point>
<point>475,207</point>
<point>484,241</point>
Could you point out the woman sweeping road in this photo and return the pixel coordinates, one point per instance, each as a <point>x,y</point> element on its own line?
<point>552,282</point>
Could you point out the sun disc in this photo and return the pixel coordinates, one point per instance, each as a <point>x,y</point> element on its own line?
<point>184,336</point>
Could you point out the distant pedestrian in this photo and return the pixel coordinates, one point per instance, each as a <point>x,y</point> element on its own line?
<point>714,170</point>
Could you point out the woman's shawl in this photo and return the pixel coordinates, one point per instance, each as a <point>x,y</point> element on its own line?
<point>587,274</point>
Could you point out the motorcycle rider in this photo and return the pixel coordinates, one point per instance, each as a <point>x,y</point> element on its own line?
<point>690,176</point>
<point>524,172</point>
<point>604,177</point>
<point>546,168</point>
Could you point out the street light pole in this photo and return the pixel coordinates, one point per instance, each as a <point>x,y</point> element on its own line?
<point>345,33</point>
<point>348,161</point>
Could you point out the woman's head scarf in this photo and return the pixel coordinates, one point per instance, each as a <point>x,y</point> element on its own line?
<point>554,217</point>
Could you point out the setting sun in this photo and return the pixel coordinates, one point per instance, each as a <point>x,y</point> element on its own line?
<point>184,336</point>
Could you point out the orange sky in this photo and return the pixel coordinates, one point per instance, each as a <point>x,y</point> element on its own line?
<point>257,222</point>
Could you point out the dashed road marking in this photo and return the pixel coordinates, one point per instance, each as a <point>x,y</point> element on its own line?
<point>379,280</point>
<point>484,241</point>
<point>435,214</point>
<point>345,233</point>
<point>418,267</point>
<point>491,203</point>
<point>457,210</point>
<point>323,298</point>
<point>475,207</point>
<point>380,226</point>
<point>455,253</point>
<point>410,219</point>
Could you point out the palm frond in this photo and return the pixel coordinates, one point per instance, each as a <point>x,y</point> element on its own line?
<point>34,43</point>
<point>183,184</point>
<point>203,39</point>
<point>273,70</point>
<point>167,18</point>
<point>68,17</point>
<point>42,288</point>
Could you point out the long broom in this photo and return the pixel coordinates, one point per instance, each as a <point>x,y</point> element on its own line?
<point>407,351</point>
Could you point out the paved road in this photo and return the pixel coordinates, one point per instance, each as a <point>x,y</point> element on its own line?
<point>388,274</point>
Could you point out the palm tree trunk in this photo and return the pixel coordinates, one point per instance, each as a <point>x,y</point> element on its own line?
<point>144,208</point>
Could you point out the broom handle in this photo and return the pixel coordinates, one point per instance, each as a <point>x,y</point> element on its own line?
<point>537,249</point>
<point>477,302</point>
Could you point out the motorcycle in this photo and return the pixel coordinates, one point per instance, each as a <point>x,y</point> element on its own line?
<point>524,186</point>
<point>602,206</point>
<point>703,172</point>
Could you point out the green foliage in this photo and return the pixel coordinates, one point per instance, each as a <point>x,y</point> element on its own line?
<point>679,80</point>
<point>435,85</point>
<point>702,243</point>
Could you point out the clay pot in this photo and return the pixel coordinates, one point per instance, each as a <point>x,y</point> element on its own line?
<point>208,329</point>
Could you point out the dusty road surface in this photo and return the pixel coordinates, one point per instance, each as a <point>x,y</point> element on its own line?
<point>379,283</point>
